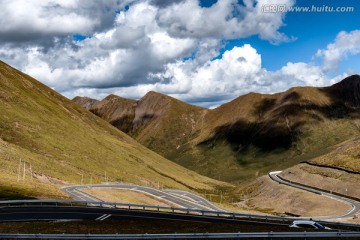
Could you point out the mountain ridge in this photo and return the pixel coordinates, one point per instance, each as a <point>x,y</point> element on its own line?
<point>150,118</point>
<point>282,127</point>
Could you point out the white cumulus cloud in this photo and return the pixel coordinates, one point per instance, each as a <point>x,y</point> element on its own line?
<point>134,46</point>
<point>345,44</point>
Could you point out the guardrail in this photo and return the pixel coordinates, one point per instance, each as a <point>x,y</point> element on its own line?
<point>270,235</point>
<point>191,211</point>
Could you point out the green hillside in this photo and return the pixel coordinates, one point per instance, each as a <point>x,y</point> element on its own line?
<point>65,144</point>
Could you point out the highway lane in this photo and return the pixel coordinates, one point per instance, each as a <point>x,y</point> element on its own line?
<point>355,204</point>
<point>76,213</point>
<point>191,200</point>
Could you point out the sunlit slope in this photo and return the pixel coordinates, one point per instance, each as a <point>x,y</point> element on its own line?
<point>257,133</point>
<point>159,122</point>
<point>343,156</point>
<point>67,144</point>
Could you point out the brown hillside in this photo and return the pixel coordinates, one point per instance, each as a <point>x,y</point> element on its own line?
<point>160,122</point>
<point>85,102</point>
<point>62,143</point>
<point>252,134</point>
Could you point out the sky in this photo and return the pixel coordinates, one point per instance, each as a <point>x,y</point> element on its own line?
<point>203,52</point>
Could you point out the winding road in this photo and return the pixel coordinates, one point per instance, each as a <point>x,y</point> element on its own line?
<point>190,200</point>
<point>176,197</point>
<point>355,204</point>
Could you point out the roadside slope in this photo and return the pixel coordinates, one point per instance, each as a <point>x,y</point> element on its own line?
<point>337,171</point>
<point>64,143</point>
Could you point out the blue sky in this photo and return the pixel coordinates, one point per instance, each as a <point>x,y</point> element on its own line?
<point>312,31</point>
<point>203,52</point>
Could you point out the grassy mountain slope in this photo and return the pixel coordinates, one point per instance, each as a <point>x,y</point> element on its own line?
<point>343,156</point>
<point>159,122</point>
<point>253,134</point>
<point>64,143</point>
<point>257,133</point>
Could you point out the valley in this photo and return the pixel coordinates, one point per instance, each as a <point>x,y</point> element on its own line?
<point>48,141</point>
<point>65,144</point>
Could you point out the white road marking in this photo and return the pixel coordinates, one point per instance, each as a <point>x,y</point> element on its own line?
<point>103,217</point>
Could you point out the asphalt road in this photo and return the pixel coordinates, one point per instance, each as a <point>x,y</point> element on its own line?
<point>195,198</point>
<point>178,198</point>
<point>355,204</point>
<point>67,213</point>
<point>193,201</point>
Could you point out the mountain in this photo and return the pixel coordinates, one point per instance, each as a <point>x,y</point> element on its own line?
<point>62,143</point>
<point>159,122</point>
<point>85,102</point>
<point>254,133</point>
<point>257,133</point>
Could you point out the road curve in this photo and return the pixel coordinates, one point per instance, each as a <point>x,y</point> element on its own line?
<point>355,204</point>
<point>194,197</point>
<point>179,198</point>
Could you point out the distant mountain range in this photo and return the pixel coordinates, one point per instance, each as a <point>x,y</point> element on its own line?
<point>55,142</point>
<point>242,139</point>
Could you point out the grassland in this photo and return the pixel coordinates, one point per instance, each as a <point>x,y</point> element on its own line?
<point>345,155</point>
<point>65,144</point>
